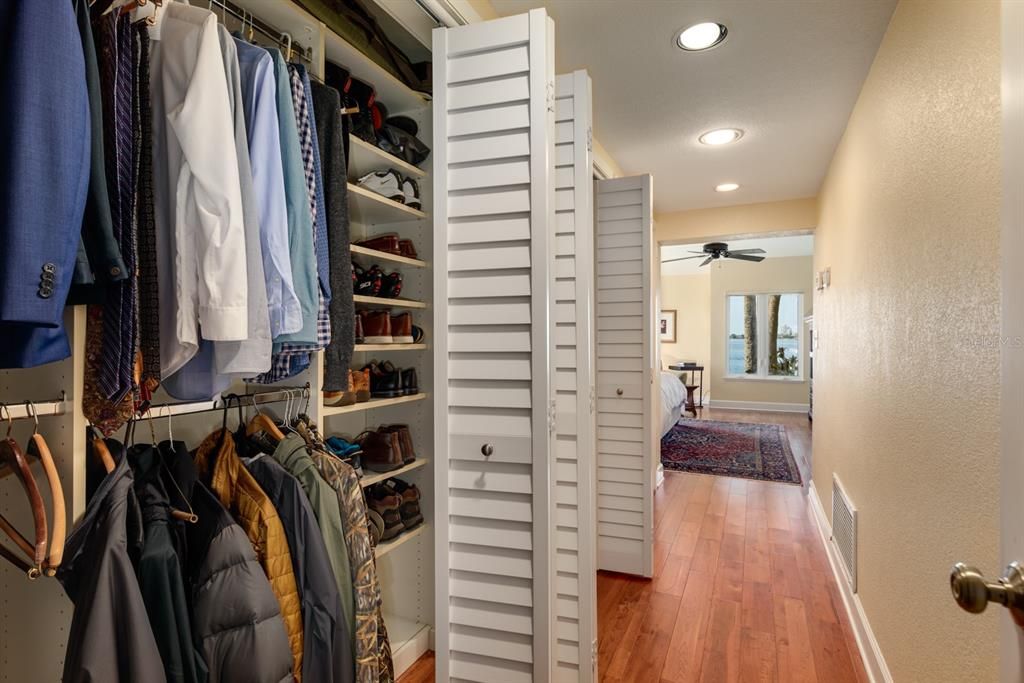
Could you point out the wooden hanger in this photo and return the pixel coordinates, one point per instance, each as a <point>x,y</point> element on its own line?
<point>100,450</point>
<point>262,423</point>
<point>37,447</point>
<point>10,453</point>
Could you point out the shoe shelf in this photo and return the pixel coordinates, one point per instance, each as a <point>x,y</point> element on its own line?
<point>371,208</point>
<point>394,303</point>
<point>398,97</point>
<point>385,547</point>
<point>387,256</point>
<point>390,347</point>
<point>367,158</point>
<point>377,477</point>
<point>372,404</point>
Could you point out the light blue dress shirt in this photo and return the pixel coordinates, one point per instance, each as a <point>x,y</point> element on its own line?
<point>300,220</point>
<point>259,98</point>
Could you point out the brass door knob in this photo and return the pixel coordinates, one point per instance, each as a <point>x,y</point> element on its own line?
<point>972,591</point>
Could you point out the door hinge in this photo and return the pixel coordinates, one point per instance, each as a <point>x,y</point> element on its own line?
<point>593,399</point>
<point>551,417</point>
<point>590,139</point>
<point>551,96</point>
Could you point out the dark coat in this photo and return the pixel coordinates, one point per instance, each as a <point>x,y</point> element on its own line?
<point>160,572</point>
<point>236,620</point>
<point>328,645</point>
<point>110,638</point>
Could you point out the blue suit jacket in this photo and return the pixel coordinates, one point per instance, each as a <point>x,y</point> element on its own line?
<point>44,175</point>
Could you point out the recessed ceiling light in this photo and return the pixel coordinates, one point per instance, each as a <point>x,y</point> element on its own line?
<point>727,187</point>
<point>721,136</point>
<point>701,36</point>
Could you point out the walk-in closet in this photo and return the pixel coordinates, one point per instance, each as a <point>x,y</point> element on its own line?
<point>352,368</point>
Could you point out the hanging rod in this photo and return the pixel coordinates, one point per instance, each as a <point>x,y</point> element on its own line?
<point>250,19</point>
<point>20,410</point>
<point>258,397</point>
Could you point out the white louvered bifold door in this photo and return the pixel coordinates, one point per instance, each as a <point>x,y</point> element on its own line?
<point>626,402</point>
<point>575,577</point>
<point>494,237</point>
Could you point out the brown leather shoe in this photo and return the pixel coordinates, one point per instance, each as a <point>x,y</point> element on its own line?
<point>388,243</point>
<point>376,327</point>
<point>342,398</point>
<point>361,385</point>
<point>404,441</point>
<point>380,451</point>
<point>407,249</point>
<point>401,328</point>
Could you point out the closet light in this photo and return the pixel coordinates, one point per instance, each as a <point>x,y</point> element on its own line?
<point>701,36</point>
<point>721,136</point>
<point>727,187</point>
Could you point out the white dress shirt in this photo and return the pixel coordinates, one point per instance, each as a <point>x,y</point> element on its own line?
<point>198,203</point>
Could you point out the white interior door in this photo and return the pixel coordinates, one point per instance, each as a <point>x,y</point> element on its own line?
<point>575,577</point>
<point>494,413</point>
<point>626,391</point>
<point>1012,399</point>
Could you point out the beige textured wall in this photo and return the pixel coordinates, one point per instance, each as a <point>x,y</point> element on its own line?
<point>699,225</point>
<point>907,369</point>
<point>784,274</point>
<point>690,296</point>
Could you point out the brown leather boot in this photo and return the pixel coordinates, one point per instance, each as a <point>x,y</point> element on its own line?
<point>380,451</point>
<point>404,440</point>
<point>342,398</point>
<point>361,385</point>
<point>376,327</point>
<point>401,328</point>
<point>360,337</point>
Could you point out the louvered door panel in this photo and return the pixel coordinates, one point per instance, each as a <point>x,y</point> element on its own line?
<point>626,396</point>
<point>494,238</point>
<point>573,354</point>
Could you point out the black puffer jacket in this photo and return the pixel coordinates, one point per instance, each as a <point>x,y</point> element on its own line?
<point>236,620</point>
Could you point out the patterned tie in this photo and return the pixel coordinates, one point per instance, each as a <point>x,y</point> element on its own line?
<point>148,296</point>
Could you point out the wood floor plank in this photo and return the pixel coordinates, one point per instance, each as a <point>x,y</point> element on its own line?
<point>793,642</point>
<point>686,648</point>
<point>722,646</point>
<point>651,647</point>
<point>757,657</point>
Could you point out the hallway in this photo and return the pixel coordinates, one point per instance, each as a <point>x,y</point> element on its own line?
<point>742,589</point>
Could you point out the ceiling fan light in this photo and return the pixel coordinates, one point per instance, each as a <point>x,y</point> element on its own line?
<point>702,36</point>
<point>720,136</point>
<point>727,187</point>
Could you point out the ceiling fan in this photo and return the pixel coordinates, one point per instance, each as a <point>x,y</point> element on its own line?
<point>716,250</point>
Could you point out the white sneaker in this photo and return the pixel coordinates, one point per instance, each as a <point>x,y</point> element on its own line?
<point>412,193</point>
<point>384,183</point>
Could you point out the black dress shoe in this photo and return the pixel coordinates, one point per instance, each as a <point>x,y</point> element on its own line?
<point>410,383</point>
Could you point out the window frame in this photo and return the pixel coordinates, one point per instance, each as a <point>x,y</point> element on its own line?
<point>761,307</point>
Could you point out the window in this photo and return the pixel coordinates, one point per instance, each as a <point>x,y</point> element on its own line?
<point>764,335</point>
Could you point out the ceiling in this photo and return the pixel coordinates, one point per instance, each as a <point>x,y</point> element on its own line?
<point>788,74</point>
<point>776,247</point>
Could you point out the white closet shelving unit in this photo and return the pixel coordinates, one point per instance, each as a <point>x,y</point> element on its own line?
<point>33,648</point>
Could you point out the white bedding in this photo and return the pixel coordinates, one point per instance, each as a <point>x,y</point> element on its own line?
<point>673,395</point>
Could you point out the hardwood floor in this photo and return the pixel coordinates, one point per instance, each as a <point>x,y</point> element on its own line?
<point>742,590</point>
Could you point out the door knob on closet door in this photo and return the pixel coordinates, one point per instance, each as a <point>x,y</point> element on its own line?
<point>487,449</point>
<point>973,592</point>
<point>618,392</point>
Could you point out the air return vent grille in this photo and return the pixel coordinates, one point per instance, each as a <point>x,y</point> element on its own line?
<point>844,530</point>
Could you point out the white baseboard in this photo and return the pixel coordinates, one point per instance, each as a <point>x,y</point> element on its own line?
<point>759,405</point>
<point>870,653</point>
<point>659,476</point>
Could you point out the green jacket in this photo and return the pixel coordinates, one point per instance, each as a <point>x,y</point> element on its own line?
<point>292,454</point>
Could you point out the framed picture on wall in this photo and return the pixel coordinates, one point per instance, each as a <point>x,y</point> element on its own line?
<point>667,326</point>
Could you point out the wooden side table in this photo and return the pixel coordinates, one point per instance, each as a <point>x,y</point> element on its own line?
<point>690,386</point>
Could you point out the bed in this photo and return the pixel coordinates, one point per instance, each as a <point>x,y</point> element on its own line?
<point>673,395</point>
